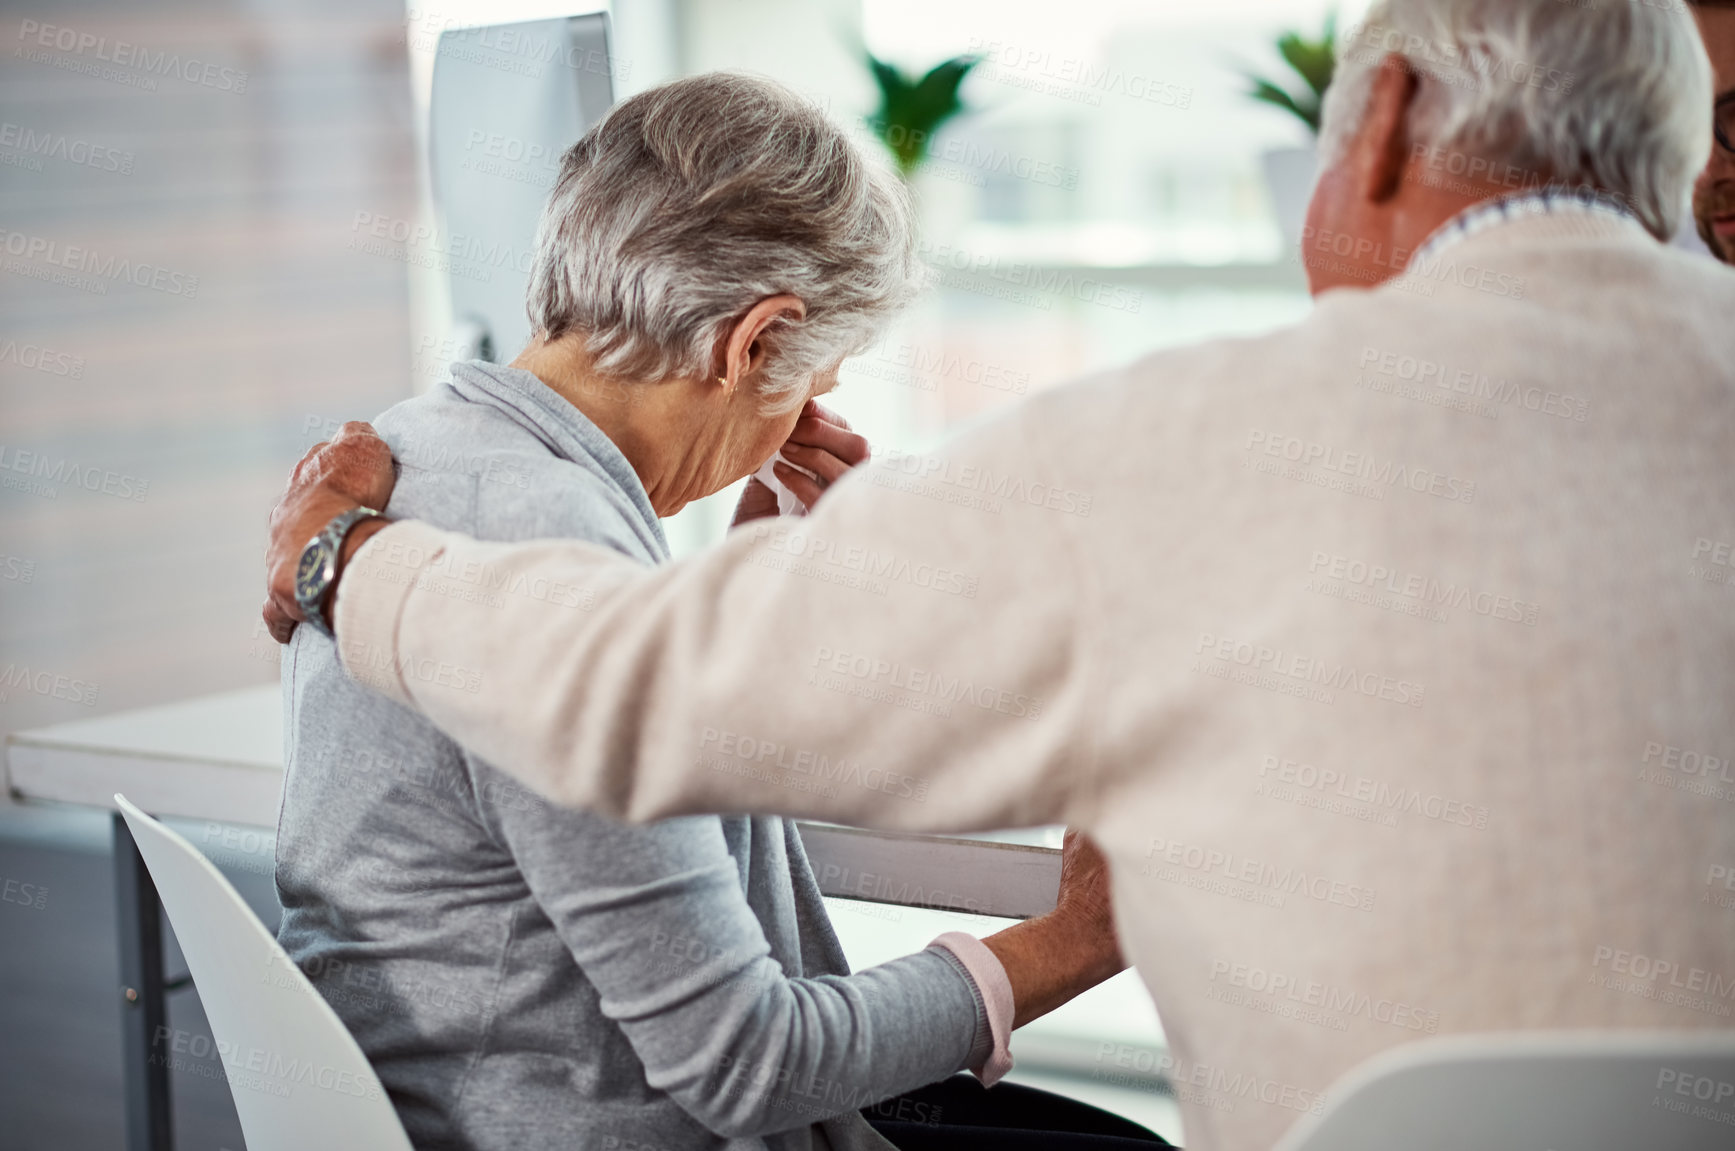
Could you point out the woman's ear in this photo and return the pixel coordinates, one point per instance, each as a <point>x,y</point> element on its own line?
<point>744,350</point>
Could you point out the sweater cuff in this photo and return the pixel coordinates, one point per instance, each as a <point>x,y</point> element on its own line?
<point>996,990</point>
<point>371,598</point>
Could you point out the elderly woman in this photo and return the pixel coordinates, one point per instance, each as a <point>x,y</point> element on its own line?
<point>525,976</point>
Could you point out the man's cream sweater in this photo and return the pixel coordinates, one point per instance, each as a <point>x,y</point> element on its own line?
<point>1390,657</point>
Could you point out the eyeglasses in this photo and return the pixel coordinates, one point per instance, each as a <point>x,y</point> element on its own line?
<point>1723,121</point>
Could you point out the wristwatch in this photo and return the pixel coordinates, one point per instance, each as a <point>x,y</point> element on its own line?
<point>318,569</point>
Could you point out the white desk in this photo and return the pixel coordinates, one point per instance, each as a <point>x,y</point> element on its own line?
<point>220,757</point>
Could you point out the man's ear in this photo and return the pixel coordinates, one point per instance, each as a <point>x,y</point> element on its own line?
<point>1382,146</point>
<point>744,350</point>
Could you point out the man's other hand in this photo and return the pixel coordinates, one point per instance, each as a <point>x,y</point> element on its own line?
<point>354,470</point>
<point>1054,957</point>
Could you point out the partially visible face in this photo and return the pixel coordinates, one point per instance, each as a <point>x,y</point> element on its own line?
<point>756,435</point>
<point>1714,191</point>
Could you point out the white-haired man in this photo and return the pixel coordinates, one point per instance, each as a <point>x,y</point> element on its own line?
<point>1388,656</point>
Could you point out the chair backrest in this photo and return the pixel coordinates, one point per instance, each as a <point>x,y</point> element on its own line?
<point>298,1077</point>
<point>1542,1091</point>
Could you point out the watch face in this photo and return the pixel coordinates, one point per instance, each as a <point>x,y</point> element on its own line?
<point>313,574</point>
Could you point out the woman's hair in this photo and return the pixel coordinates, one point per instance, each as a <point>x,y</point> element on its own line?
<point>691,202</point>
<point>1613,96</point>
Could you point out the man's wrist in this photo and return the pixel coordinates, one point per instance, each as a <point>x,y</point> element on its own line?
<point>1093,939</point>
<point>352,543</point>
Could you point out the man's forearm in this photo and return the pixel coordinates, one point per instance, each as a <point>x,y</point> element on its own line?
<point>352,543</point>
<point>717,672</point>
<point>1049,960</point>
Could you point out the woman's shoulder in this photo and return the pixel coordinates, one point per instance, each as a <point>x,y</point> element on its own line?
<point>472,467</point>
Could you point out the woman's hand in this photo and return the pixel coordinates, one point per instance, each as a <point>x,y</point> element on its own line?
<point>821,442</point>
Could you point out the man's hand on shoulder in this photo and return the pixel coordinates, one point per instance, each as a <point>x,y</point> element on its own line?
<point>353,470</point>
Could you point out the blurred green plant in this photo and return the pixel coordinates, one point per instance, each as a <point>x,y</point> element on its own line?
<point>1314,60</point>
<point>911,110</point>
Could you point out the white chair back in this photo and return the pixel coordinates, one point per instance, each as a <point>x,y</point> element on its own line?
<point>1540,1091</point>
<point>299,1080</point>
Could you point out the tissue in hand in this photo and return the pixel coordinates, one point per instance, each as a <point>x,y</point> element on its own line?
<point>787,502</point>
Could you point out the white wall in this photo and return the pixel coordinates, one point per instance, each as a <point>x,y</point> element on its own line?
<point>814,46</point>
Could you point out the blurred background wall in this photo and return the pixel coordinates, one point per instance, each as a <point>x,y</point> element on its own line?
<point>196,394</point>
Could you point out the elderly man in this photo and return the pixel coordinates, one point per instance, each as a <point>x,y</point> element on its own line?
<point>1714,193</point>
<point>1388,656</point>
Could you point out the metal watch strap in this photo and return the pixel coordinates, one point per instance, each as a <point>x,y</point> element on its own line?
<point>334,534</point>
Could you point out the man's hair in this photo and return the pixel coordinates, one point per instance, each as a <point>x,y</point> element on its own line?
<point>689,203</point>
<point>1605,94</point>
